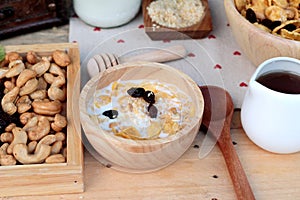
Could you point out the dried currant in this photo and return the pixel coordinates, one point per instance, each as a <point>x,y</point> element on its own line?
<point>149,97</point>
<point>290,27</point>
<point>152,111</point>
<point>136,92</point>
<point>251,16</point>
<point>270,24</point>
<point>112,114</point>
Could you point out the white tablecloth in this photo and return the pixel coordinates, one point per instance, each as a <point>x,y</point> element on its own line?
<point>215,60</point>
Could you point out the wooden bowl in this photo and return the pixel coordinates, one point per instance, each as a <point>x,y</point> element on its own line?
<point>141,155</point>
<point>257,44</point>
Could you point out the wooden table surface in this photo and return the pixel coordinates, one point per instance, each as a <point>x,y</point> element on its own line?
<point>271,176</point>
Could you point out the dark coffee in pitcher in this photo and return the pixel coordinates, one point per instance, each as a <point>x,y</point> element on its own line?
<point>281,81</point>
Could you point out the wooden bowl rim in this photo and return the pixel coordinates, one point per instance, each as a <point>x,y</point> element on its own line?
<point>153,142</point>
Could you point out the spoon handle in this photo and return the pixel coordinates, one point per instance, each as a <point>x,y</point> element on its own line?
<point>162,55</point>
<point>238,176</point>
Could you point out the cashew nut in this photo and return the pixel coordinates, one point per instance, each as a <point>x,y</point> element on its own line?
<point>65,152</point>
<point>59,123</point>
<point>60,136</point>
<point>41,67</point>
<point>58,81</point>
<point>48,139</point>
<point>24,76</point>
<point>55,93</point>
<point>6,137</point>
<point>15,68</point>
<point>29,87</point>
<point>61,58</point>
<point>25,117</point>
<point>3,71</point>
<point>56,147</point>
<point>20,136</point>
<point>36,148</point>
<point>20,151</point>
<point>31,123</point>
<point>49,78</point>
<point>47,107</point>
<point>41,129</point>
<point>56,70</point>
<point>7,160</point>
<point>10,127</point>
<point>12,56</point>
<point>38,94</point>
<point>42,83</point>
<point>3,149</point>
<point>32,146</point>
<point>8,99</point>
<point>9,57</point>
<point>56,77</point>
<point>55,158</point>
<point>23,104</point>
<point>9,85</point>
<point>32,57</point>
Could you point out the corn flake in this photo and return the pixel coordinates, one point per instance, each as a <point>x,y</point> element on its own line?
<point>279,17</point>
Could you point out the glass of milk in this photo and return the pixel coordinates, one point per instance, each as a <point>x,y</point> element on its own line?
<point>106,13</point>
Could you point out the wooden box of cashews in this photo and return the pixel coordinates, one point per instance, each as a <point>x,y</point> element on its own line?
<point>42,153</point>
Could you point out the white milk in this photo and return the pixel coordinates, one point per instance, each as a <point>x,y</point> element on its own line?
<point>106,13</point>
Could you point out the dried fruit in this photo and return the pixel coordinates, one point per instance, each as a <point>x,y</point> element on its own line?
<point>149,97</point>
<point>152,111</point>
<point>112,114</point>
<point>270,24</point>
<point>136,92</point>
<point>251,16</point>
<point>290,27</point>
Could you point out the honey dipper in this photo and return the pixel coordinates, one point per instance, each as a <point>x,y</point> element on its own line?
<point>100,62</point>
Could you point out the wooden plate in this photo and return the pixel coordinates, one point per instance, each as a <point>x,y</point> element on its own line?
<point>197,31</point>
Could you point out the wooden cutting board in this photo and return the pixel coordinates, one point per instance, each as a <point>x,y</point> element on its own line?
<point>197,31</point>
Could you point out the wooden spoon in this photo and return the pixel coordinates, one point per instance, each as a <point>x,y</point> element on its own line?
<point>218,111</point>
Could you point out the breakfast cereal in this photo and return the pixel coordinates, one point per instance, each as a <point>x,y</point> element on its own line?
<point>176,13</point>
<point>141,109</point>
<point>279,17</point>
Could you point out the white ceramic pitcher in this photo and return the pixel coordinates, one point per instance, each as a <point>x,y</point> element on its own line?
<point>272,119</point>
<point>106,13</point>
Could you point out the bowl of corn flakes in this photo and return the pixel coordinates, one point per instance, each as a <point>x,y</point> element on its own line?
<point>265,28</point>
<point>141,116</point>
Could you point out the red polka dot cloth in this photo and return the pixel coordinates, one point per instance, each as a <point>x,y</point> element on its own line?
<point>214,60</point>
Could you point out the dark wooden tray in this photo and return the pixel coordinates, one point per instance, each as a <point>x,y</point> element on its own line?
<point>24,16</point>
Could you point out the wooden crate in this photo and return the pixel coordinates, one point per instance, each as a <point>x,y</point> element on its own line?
<point>40,179</point>
<point>196,31</point>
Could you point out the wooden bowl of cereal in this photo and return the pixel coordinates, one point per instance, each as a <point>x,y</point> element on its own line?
<point>260,33</point>
<point>141,116</point>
